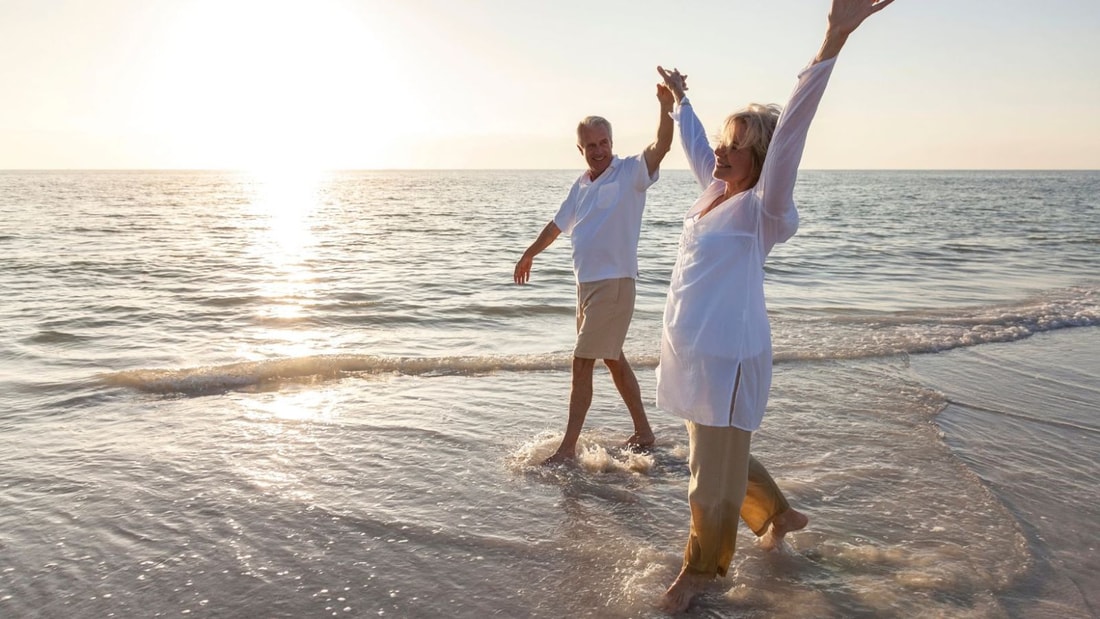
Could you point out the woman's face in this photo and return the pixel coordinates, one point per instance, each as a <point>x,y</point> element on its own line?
<point>732,162</point>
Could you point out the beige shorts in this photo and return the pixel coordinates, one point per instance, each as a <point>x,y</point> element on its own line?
<point>604,310</point>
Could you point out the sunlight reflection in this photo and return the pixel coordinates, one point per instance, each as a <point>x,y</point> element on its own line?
<point>288,342</point>
<point>279,430</point>
<point>308,406</point>
<point>285,200</point>
<point>282,209</point>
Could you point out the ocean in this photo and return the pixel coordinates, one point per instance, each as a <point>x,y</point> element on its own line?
<point>322,395</point>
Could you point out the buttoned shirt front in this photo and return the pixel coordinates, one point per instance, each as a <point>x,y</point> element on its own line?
<point>603,219</point>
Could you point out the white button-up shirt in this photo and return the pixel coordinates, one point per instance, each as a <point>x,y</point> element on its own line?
<point>603,219</point>
<point>715,321</point>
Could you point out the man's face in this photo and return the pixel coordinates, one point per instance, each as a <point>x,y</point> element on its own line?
<point>595,145</point>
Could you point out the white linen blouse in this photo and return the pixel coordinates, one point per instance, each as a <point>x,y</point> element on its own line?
<point>715,320</point>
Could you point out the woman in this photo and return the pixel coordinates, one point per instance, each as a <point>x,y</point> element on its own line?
<point>716,357</point>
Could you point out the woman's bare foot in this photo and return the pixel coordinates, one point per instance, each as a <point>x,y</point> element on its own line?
<point>790,520</point>
<point>640,441</point>
<point>686,586</point>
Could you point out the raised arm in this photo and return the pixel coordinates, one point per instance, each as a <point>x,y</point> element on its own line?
<point>522,273</point>
<point>785,152</point>
<point>692,135</point>
<point>655,152</point>
<point>844,17</point>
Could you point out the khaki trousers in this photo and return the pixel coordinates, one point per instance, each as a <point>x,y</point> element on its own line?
<point>726,483</point>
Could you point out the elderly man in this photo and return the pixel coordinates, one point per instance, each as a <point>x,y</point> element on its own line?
<point>603,217</point>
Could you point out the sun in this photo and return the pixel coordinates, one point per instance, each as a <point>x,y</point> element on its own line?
<point>260,85</point>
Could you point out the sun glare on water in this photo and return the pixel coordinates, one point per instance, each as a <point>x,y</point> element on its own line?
<point>282,211</point>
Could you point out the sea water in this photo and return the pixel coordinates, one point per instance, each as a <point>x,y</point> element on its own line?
<point>306,395</point>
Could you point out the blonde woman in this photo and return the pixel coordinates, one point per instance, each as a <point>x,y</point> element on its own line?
<point>716,356</point>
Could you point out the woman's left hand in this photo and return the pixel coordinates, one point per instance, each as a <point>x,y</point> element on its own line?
<point>844,18</point>
<point>675,81</point>
<point>847,15</point>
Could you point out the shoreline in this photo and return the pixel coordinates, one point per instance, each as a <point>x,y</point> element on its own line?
<point>1018,416</point>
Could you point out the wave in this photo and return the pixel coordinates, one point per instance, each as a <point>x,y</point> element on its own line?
<point>49,336</point>
<point>854,335</point>
<point>219,378</point>
<point>835,336</point>
<point>1057,423</point>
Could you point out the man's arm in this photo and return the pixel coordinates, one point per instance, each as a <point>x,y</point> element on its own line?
<point>550,232</point>
<point>655,152</point>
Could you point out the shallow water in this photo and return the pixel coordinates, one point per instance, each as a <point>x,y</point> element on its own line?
<point>227,396</point>
<point>1014,438</point>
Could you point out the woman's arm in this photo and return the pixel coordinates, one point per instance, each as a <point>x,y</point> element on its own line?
<point>692,135</point>
<point>844,18</point>
<point>776,184</point>
<point>785,152</point>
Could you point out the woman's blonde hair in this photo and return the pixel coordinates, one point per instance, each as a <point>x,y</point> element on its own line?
<point>751,127</point>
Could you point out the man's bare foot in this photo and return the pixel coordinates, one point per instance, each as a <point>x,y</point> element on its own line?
<point>790,520</point>
<point>559,457</point>
<point>640,441</point>
<point>686,586</point>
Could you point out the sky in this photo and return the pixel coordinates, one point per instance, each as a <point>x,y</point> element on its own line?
<point>463,84</point>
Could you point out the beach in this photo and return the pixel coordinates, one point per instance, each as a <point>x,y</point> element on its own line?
<point>228,396</point>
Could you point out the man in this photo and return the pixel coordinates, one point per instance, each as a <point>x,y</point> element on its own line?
<point>603,217</point>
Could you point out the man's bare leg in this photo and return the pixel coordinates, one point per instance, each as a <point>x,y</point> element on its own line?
<point>686,586</point>
<point>627,384</point>
<point>580,399</point>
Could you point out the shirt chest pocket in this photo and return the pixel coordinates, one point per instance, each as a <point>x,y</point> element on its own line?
<point>607,195</point>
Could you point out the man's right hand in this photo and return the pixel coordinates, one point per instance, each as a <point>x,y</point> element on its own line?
<point>549,232</point>
<point>522,273</point>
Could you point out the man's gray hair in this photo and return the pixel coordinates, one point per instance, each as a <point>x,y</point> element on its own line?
<point>592,122</point>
